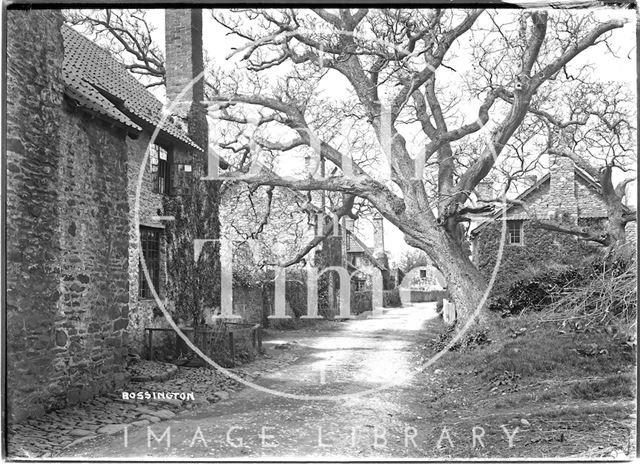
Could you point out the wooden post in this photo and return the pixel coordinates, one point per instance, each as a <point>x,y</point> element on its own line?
<point>232,348</point>
<point>448,311</point>
<point>149,344</point>
<point>259,335</point>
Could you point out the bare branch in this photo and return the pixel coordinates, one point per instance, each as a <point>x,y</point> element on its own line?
<point>602,238</point>
<point>587,41</point>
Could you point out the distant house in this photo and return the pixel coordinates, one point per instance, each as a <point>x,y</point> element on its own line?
<point>346,249</point>
<point>361,261</point>
<point>424,278</point>
<point>565,193</point>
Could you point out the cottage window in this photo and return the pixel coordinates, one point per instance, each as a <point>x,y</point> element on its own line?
<point>360,285</point>
<point>150,241</point>
<point>159,158</point>
<point>514,232</point>
<point>423,273</point>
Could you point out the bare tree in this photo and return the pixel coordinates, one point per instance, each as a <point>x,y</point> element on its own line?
<point>390,62</point>
<point>617,153</point>
<point>128,35</point>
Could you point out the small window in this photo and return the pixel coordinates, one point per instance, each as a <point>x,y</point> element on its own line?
<point>514,232</point>
<point>423,273</point>
<point>159,160</point>
<point>150,241</point>
<point>360,285</point>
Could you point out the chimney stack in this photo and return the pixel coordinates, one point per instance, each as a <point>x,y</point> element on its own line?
<point>378,236</point>
<point>184,62</point>
<point>562,195</point>
<point>184,57</point>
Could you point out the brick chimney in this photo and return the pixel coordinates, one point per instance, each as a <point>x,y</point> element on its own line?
<point>378,236</point>
<point>183,56</point>
<point>183,63</point>
<point>562,192</point>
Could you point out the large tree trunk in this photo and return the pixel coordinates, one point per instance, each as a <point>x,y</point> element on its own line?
<point>616,228</point>
<point>465,283</point>
<point>617,233</point>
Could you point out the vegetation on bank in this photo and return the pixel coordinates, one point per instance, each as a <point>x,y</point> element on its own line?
<point>556,357</point>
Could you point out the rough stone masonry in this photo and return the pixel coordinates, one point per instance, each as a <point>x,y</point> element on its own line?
<point>67,231</point>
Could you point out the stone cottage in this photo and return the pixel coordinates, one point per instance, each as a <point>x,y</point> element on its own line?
<point>565,193</point>
<point>78,127</point>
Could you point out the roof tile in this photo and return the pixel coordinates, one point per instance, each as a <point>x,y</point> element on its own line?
<point>91,72</point>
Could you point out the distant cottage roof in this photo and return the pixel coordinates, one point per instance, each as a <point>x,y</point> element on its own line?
<point>590,181</point>
<point>357,246</point>
<point>97,82</point>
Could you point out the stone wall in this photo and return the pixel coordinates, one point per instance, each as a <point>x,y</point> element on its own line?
<point>589,204</point>
<point>426,296</point>
<point>67,225</point>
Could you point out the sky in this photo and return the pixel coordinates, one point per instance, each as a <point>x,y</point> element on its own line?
<point>619,67</point>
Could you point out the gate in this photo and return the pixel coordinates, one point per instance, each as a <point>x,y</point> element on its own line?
<point>228,343</point>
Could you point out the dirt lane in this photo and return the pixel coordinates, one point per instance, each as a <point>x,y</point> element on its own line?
<point>355,356</point>
<point>447,411</point>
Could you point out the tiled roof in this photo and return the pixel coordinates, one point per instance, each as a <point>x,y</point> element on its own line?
<point>357,246</point>
<point>99,83</point>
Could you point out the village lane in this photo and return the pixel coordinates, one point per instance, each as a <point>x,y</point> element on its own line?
<point>352,357</point>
